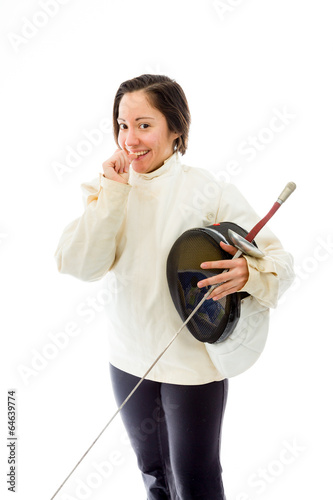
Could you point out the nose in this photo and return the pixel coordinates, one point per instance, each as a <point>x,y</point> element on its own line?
<point>131,138</point>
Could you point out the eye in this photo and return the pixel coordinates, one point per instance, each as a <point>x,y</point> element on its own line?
<point>122,126</point>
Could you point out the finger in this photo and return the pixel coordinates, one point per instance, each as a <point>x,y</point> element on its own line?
<point>123,162</point>
<point>109,162</point>
<point>219,293</point>
<point>130,156</point>
<point>228,248</point>
<point>234,284</point>
<point>221,288</point>
<point>231,274</point>
<point>218,264</point>
<point>214,280</point>
<point>117,165</point>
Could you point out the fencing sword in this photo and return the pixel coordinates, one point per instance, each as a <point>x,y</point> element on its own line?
<point>244,246</point>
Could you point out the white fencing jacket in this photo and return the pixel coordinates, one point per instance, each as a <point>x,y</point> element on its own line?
<point>125,235</point>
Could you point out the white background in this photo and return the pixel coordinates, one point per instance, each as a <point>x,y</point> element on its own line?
<point>238,62</point>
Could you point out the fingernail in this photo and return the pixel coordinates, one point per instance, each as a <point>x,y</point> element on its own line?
<point>203,265</point>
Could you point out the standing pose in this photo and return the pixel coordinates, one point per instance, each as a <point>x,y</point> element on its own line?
<point>134,211</point>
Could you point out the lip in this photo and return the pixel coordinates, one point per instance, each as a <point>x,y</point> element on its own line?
<point>136,150</point>
<point>139,151</point>
<point>138,158</point>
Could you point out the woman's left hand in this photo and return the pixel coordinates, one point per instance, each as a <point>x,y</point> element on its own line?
<point>232,280</point>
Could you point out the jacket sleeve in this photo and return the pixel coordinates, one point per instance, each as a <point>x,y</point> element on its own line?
<point>87,246</point>
<point>270,276</point>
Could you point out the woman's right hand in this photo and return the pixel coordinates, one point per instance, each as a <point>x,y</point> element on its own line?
<point>116,168</point>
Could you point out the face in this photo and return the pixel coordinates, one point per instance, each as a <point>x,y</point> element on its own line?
<point>143,128</point>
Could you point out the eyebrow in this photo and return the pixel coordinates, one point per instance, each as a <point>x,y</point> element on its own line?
<point>140,118</point>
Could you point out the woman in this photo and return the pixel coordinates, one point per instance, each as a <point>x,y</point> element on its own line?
<point>145,199</point>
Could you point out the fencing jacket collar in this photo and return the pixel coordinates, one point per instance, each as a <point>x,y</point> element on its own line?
<point>169,167</point>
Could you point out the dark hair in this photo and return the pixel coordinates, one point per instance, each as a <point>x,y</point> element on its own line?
<point>167,96</point>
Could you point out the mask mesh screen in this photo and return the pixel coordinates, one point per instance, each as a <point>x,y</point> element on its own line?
<point>184,272</point>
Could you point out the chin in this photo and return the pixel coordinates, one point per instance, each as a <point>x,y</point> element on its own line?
<point>140,169</point>
<point>144,169</point>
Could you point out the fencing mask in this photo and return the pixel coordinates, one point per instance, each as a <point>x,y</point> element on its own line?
<point>215,320</point>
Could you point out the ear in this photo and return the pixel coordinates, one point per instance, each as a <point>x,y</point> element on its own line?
<point>175,142</point>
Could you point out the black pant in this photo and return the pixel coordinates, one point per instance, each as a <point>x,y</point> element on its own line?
<point>175,431</point>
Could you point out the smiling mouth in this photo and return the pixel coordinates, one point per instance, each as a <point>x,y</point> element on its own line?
<point>142,153</point>
<point>139,154</point>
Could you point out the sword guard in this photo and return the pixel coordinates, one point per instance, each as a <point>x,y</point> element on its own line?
<point>246,247</point>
